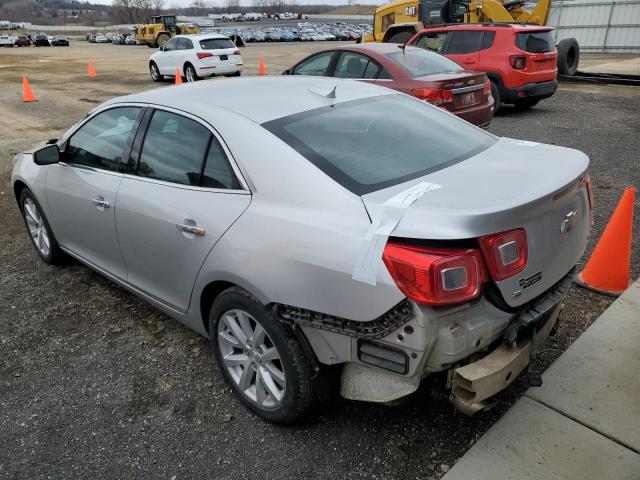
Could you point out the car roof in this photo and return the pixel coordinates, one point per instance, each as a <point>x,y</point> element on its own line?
<point>259,99</point>
<point>489,26</point>
<point>201,36</point>
<point>376,47</point>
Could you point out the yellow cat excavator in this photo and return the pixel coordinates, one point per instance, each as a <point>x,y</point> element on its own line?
<point>398,21</point>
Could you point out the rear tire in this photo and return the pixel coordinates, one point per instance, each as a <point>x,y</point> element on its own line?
<point>568,56</point>
<point>495,93</point>
<point>39,230</point>
<point>190,73</point>
<point>242,353</point>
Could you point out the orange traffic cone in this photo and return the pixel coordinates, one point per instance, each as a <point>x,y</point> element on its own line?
<point>178,76</point>
<point>607,271</point>
<point>262,69</point>
<point>27,94</point>
<point>91,70</point>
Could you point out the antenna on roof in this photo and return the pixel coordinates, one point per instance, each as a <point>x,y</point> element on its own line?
<point>331,93</point>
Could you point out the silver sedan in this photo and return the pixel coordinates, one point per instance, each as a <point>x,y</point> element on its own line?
<point>302,223</point>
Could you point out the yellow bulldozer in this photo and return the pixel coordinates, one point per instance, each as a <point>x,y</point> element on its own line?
<point>398,21</point>
<point>160,31</point>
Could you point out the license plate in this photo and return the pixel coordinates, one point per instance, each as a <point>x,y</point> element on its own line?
<point>468,99</point>
<point>224,57</point>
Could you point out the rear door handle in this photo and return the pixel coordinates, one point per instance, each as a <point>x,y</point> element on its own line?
<point>191,229</point>
<point>100,202</point>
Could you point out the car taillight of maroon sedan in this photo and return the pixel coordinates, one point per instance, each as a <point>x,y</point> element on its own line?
<point>423,74</point>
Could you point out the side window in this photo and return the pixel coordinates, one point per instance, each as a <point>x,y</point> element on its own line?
<point>100,142</point>
<point>316,65</point>
<point>384,75</point>
<point>388,20</point>
<point>171,45</point>
<point>217,172</point>
<point>184,44</point>
<point>351,65</point>
<point>173,149</point>
<point>432,41</point>
<point>372,70</point>
<point>464,41</point>
<point>487,40</point>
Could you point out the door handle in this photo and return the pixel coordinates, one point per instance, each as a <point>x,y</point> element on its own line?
<point>100,202</point>
<point>191,229</point>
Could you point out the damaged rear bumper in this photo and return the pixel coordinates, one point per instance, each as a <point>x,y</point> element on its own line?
<point>473,384</point>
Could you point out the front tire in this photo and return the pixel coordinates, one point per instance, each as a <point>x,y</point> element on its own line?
<point>259,357</point>
<point>154,71</point>
<point>39,230</point>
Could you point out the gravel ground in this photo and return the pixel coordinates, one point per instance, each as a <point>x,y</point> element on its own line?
<point>93,382</point>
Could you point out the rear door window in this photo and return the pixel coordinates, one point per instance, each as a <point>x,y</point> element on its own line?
<point>184,44</point>
<point>216,44</point>
<point>351,65</point>
<point>464,41</point>
<point>217,172</point>
<point>487,39</point>
<point>535,42</point>
<point>316,65</point>
<point>174,149</point>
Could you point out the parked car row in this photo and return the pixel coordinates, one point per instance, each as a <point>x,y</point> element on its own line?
<point>39,40</point>
<point>302,32</point>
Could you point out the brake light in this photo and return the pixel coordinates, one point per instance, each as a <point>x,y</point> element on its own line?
<point>518,61</point>
<point>433,96</point>
<point>236,52</point>
<point>435,276</point>
<point>202,55</point>
<point>505,253</point>
<point>487,87</point>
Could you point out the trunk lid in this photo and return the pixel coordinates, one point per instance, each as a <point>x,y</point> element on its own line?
<point>513,184</point>
<point>466,88</point>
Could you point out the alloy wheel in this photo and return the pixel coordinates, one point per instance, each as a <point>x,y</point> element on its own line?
<point>37,229</point>
<point>154,72</point>
<point>190,74</point>
<point>251,359</point>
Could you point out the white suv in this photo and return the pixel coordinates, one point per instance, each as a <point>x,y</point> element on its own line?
<point>196,56</point>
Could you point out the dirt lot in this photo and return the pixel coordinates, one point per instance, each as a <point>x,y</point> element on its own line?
<point>93,382</point>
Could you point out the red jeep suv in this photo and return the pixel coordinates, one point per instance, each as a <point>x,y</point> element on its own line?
<point>520,60</point>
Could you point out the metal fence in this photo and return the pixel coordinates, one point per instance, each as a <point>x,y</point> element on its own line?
<point>604,26</point>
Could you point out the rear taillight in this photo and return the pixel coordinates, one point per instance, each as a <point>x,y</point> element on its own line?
<point>202,55</point>
<point>236,52</point>
<point>518,61</point>
<point>433,95</point>
<point>435,276</point>
<point>486,88</point>
<point>505,253</point>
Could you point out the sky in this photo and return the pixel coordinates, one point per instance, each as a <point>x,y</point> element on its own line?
<point>189,3</point>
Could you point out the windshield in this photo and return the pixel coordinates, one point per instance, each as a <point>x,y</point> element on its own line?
<point>419,62</point>
<point>216,43</point>
<point>535,42</point>
<point>370,144</point>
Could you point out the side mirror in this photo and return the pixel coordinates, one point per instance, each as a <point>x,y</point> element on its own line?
<point>287,72</point>
<point>47,155</point>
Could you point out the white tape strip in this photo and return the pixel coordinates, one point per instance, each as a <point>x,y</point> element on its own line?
<point>389,215</point>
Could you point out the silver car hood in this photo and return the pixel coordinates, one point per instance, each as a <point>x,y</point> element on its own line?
<point>513,184</point>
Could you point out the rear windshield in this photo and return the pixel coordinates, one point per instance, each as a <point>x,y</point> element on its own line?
<point>419,62</point>
<point>370,144</point>
<point>216,43</point>
<point>535,42</point>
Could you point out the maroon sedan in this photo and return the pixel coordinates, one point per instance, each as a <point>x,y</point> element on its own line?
<point>426,75</point>
<point>22,41</point>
